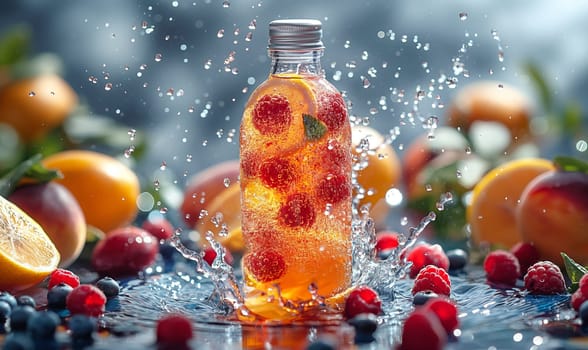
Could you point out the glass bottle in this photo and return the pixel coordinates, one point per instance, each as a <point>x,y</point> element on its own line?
<point>295,178</point>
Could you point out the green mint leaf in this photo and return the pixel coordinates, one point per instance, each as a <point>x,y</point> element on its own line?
<point>314,129</point>
<point>31,168</point>
<point>564,163</point>
<point>574,270</point>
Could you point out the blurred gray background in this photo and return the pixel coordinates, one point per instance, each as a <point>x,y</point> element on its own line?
<point>180,71</point>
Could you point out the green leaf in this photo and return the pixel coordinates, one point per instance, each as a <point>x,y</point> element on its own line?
<point>574,270</point>
<point>541,85</point>
<point>565,163</point>
<point>314,129</point>
<point>31,168</point>
<point>572,118</point>
<point>14,45</point>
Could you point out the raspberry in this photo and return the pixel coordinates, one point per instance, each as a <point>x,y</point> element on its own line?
<point>422,330</point>
<point>298,211</point>
<point>526,254</point>
<point>161,228</point>
<point>266,265</point>
<point>272,114</point>
<point>86,299</point>
<point>173,330</point>
<point>578,298</point>
<point>446,311</point>
<point>333,155</point>
<point>210,255</point>
<point>583,284</point>
<point>332,110</point>
<point>502,267</point>
<point>386,240</point>
<point>427,254</point>
<point>434,279</point>
<point>544,277</point>
<point>249,164</point>
<point>63,276</point>
<point>334,188</point>
<point>362,300</point>
<point>276,173</point>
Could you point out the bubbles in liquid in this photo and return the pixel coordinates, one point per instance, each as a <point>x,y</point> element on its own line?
<point>463,16</point>
<point>32,94</point>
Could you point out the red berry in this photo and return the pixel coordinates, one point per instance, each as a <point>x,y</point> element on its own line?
<point>173,329</point>
<point>63,276</point>
<point>434,279</point>
<point>333,156</point>
<point>386,240</point>
<point>544,277</point>
<point>124,251</point>
<point>298,211</point>
<point>502,267</point>
<point>362,300</point>
<point>583,284</point>
<point>332,110</point>
<point>272,114</point>
<point>277,173</point>
<point>526,254</point>
<point>427,254</point>
<point>161,228</point>
<point>446,311</point>
<point>86,299</point>
<point>578,298</point>
<point>249,164</point>
<point>334,188</point>
<point>266,265</point>
<point>422,330</point>
<point>210,255</point>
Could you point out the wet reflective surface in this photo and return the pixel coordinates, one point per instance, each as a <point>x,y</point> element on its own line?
<point>489,317</point>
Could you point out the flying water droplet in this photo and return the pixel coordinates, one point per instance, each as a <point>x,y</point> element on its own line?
<point>32,94</point>
<point>108,86</point>
<point>463,16</point>
<point>158,57</point>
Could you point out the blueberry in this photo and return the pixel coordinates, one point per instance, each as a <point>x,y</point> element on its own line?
<point>5,311</point>
<point>42,325</point>
<point>458,259</point>
<point>18,341</point>
<point>421,298</point>
<point>56,297</point>
<point>321,344</point>
<point>20,317</point>
<point>82,328</point>
<point>26,300</point>
<point>9,298</point>
<point>365,325</point>
<point>108,286</point>
<point>583,313</point>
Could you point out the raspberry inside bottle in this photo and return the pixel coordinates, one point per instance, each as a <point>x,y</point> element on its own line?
<point>295,177</point>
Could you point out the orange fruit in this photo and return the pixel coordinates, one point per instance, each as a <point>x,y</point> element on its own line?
<point>383,171</point>
<point>105,188</point>
<point>36,105</point>
<point>27,255</point>
<point>224,213</point>
<point>204,186</point>
<point>491,212</point>
<point>491,101</point>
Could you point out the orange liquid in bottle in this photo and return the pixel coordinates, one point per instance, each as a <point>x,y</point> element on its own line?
<point>295,194</point>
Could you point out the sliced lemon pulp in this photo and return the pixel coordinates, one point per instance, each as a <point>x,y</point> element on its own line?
<point>27,254</point>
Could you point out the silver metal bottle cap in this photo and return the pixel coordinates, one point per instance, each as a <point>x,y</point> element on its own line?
<point>295,34</point>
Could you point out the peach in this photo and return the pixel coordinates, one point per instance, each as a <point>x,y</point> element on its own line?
<point>491,101</point>
<point>204,186</point>
<point>425,153</point>
<point>59,214</point>
<point>553,215</point>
